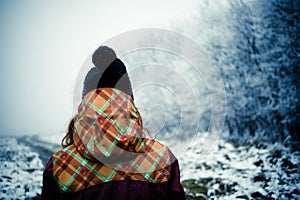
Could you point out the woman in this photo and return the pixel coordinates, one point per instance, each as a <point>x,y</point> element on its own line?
<point>106,154</point>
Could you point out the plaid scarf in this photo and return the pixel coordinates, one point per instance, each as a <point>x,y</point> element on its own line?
<point>109,144</point>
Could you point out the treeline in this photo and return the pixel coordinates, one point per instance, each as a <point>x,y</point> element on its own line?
<point>259,63</point>
<point>255,46</point>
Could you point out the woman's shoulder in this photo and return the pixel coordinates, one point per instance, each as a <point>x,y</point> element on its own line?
<point>49,165</point>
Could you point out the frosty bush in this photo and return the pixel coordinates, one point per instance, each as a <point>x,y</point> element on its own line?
<point>256,46</point>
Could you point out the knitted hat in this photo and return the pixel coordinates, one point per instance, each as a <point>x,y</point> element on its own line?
<point>109,71</point>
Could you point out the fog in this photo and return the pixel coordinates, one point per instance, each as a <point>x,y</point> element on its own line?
<point>45,44</point>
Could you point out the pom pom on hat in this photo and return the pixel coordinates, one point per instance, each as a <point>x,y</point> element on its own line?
<point>103,57</point>
<point>109,72</point>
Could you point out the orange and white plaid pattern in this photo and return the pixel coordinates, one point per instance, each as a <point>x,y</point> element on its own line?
<point>109,144</point>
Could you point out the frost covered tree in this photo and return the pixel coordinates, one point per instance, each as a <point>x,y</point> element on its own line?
<point>260,68</point>
<point>255,45</point>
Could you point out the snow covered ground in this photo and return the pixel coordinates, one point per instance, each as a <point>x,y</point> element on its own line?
<point>227,171</point>
<point>261,171</point>
<point>20,170</point>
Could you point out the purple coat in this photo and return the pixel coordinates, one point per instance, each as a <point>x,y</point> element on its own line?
<point>117,190</point>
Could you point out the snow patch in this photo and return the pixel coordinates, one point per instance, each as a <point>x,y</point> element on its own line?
<point>21,170</point>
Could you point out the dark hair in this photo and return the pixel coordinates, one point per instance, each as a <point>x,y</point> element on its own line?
<point>68,139</point>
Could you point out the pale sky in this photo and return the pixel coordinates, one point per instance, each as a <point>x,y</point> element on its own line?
<point>44,44</point>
